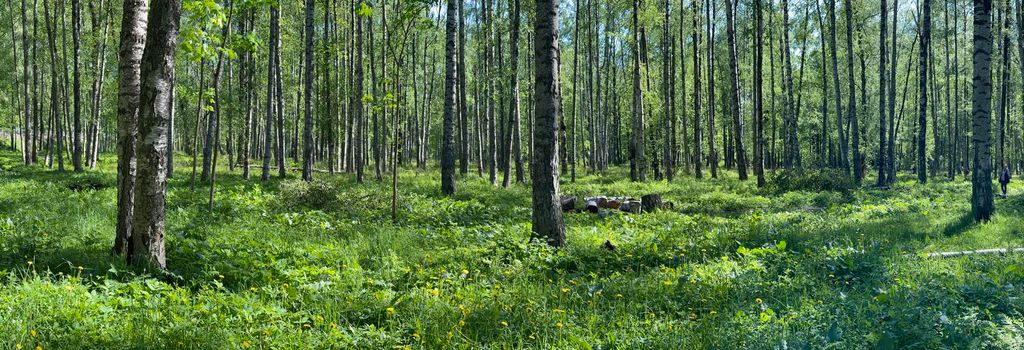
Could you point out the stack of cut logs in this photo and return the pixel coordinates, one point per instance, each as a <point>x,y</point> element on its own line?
<point>647,203</point>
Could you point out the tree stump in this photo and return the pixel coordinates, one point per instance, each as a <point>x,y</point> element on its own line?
<point>652,202</point>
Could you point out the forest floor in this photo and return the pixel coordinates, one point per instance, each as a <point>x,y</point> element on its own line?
<point>285,265</point>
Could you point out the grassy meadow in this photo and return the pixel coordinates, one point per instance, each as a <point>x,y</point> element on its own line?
<point>289,265</point>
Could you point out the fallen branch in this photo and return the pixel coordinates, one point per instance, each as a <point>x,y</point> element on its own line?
<point>943,255</point>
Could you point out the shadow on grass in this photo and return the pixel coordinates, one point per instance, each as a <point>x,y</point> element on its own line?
<point>960,225</point>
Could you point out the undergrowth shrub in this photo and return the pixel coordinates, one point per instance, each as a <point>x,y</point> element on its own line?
<point>89,182</point>
<point>817,180</point>
<point>316,194</point>
<point>722,203</point>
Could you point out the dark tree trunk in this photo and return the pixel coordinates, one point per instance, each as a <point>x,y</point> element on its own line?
<point>882,75</point>
<point>758,98</point>
<point>307,135</point>
<point>514,145</point>
<point>357,100</point>
<point>547,214</point>
<point>698,154</point>
<point>858,168</point>
<point>922,76</point>
<point>28,142</point>
<point>147,247</point>
<point>638,158</point>
<point>463,107</point>
<point>891,145</point>
<point>133,40</point>
<point>275,39</point>
<point>76,25</point>
<point>271,87</point>
<point>844,161</point>
<point>711,131</point>
<point>982,204</point>
<point>734,93</point>
<point>448,137</point>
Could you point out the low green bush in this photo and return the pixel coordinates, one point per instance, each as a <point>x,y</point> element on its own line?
<point>89,182</point>
<point>816,180</point>
<point>316,194</point>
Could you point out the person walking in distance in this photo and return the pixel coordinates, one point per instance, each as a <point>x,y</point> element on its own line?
<point>1004,179</point>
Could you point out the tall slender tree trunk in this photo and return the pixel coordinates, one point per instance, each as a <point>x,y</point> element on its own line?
<point>271,86</point>
<point>28,142</point>
<point>758,92</point>
<point>843,159</point>
<point>734,92</point>
<point>1004,85</point>
<point>463,102</point>
<point>638,160</point>
<point>513,144</point>
<point>858,166</point>
<point>698,154</point>
<point>882,75</point>
<point>76,25</point>
<point>790,143</point>
<point>712,149</point>
<point>891,145</point>
<point>132,42</point>
<point>575,89</point>
<point>982,204</point>
<point>547,213</point>
<point>154,119</point>
<point>448,137</point>
<point>275,34</point>
<point>56,107</point>
<point>357,98</point>
<point>922,112</point>
<point>307,138</point>
<point>668,95</point>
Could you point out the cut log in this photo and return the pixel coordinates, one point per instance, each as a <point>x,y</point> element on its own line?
<point>634,207</point>
<point>943,255</point>
<point>651,202</point>
<point>568,204</point>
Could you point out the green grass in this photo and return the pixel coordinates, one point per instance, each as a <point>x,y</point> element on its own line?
<point>284,265</point>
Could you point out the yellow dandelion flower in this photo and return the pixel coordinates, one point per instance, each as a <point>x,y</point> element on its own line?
<point>559,324</point>
<point>758,301</point>
<point>565,290</point>
<point>245,344</point>
<point>504,324</point>
<point>618,296</point>
<point>666,283</point>
<point>334,326</point>
<point>17,346</point>
<point>449,334</point>
<point>462,323</point>
<point>435,292</point>
<point>465,272</point>
<point>38,347</point>
<point>32,332</point>
<point>390,310</point>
